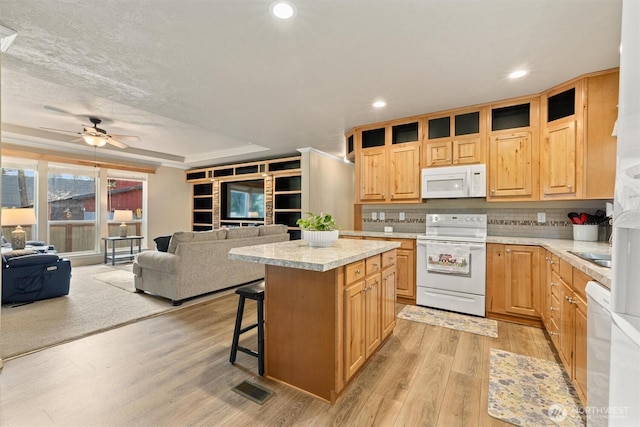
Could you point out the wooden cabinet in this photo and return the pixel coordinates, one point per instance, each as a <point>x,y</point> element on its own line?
<point>454,138</point>
<point>405,266</point>
<point>522,280</point>
<point>388,163</point>
<point>513,283</point>
<point>566,321</point>
<point>577,157</point>
<point>388,295</point>
<point>558,161</point>
<point>513,150</point>
<point>562,142</point>
<point>600,145</point>
<point>354,318</point>
<point>369,314</point>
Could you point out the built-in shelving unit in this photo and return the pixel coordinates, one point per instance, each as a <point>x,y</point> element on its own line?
<point>282,193</point>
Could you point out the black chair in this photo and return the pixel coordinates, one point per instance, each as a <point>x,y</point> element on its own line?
<point>256,293</point>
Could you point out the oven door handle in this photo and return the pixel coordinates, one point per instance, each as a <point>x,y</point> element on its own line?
<point>472,246</point>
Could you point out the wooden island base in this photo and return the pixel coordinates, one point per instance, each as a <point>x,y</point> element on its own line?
<point>327,310</point>
<point>302,318</point>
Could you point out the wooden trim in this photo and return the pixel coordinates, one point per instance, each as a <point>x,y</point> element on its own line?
<point>11,152</point>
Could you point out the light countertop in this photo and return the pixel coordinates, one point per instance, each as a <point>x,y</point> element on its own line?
<point>559,247</point>
<point>298,254</point>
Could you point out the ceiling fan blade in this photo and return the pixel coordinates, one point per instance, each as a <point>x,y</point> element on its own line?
<point>80,116</point>
<point>62,130</point>
<point>116,143</point>
<point>128,138</point>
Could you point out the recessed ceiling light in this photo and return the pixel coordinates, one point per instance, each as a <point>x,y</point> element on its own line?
<point>379,104</point>
<point>518,74</point>
<point>282,10</point>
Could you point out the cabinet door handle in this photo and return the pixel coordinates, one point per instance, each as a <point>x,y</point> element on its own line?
<point>551,284</point>
<point>569,299</point>
<point>553,309</point>
<point>553,334</point>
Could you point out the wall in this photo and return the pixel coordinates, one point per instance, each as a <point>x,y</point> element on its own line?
<point>169,203</point>
<point>504,219</point>
<point>329,184</point>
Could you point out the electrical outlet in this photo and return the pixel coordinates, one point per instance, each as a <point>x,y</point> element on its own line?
<point>374,216</point>
<point>401,216</point>
<point>381,216</point>
<point>542,217</point>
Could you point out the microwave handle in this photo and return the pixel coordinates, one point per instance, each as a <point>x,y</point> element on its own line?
<point>467,188</point>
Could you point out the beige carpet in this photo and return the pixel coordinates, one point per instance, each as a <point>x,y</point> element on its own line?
<point>527,391</point>
<point>122,279</point>
<point>91,306</point>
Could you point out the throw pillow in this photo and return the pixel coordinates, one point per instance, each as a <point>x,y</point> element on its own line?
<point>270,230</point>
<point>239,232</point>
<point>162,243</point>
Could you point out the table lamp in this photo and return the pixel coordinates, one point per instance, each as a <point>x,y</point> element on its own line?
<point>123,216</point>
<point>18,217</point>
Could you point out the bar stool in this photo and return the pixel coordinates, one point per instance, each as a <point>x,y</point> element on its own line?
<point>256,293</point>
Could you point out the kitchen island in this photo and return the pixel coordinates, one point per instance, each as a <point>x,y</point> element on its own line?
<point>327,310</point>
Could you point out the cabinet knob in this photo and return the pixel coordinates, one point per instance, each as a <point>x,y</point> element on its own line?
<point>553,334</point>
<point>375,265</point>
<point>553,309</point>
<point>493,191</point>
<point>508,251</point>
<point>357,272</point>
<point>551,284</point>
<point>569,186</point>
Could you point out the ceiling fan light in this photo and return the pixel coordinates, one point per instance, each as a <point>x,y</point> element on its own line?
<point>95,141</point>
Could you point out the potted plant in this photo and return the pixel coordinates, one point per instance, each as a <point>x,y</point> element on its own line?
<point>319,230</point>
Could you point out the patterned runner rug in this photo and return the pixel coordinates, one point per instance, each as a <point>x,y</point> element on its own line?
<point>527,391</point>
<point>461,322</point>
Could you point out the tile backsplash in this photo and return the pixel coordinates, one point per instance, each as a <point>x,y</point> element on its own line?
<point>503,219</point>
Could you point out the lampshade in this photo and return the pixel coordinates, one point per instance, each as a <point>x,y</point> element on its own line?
<point>18,216</point>
<point>122,215</point>
<point>96,141</point>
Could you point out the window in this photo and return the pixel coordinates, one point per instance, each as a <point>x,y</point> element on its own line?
<point>71,199</point>
<point>125,191</point>
<point>19,184</point>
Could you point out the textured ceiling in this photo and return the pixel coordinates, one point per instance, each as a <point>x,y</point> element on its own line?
<point>210,82</point>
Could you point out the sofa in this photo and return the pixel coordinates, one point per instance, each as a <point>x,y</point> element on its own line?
<point>197,263</point>
<point>28,275</point>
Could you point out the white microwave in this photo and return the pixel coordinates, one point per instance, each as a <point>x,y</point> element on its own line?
<point>454,182</point>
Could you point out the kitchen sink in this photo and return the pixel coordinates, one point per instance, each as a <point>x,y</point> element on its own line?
<point>603,260</point>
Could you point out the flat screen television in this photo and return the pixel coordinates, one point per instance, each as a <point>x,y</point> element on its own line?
<point>242,200</point>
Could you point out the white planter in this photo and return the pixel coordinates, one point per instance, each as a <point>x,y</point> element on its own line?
<point>320,239</point>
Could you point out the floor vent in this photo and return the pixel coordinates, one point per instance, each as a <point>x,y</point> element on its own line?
<point>253,392</point>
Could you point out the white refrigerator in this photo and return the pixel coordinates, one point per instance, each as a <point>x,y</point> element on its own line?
<point>624,382</point>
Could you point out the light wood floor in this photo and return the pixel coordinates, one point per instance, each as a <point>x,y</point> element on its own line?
<point>173,370</point>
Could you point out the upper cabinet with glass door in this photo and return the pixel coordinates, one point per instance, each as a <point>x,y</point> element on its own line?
<point>454,138</point>
<point>512,165</point>
<point>561,146</point>
<point>388,162</point>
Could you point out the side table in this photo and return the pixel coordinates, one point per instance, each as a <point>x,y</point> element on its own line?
<point>120,256</point>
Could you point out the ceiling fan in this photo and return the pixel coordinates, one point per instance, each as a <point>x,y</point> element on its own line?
<point>97,137</point>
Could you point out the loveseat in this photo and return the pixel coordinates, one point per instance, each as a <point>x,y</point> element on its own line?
<point>31,276</point>
<point>197,263</point>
